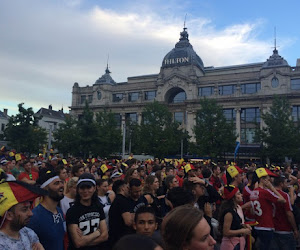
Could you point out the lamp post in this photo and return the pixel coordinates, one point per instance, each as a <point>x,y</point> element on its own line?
<point>50,135</point>
<point>124,138</point>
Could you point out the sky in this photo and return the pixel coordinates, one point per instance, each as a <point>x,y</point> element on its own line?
<point>48,45</point>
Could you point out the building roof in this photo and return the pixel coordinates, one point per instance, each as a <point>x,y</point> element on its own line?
<point>51,113</point>
<point>106,78</point>
<point>275,60</point>
<point>183,49</point>
<point>3,115</point>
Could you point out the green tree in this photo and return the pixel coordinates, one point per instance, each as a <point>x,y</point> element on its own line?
<point>23,132</point>
<point>67,138</point>
<point>214,134</point>
<point>87,132</point>
<point>158,134</point>
<point>280,136</point>
<point>109,136</point>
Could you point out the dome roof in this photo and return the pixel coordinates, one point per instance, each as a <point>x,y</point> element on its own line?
<point>106,78</point>
<point>275,60</point>
<point>183,54</point>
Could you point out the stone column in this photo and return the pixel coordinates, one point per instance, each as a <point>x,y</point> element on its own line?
<point>238,123</point>
<point>190,123</point>
<point>139,116</point>
<point>262,123</point>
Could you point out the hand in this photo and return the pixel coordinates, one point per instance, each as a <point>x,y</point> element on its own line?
<point>267,184</point>
<point>196,179</point>
<point>291,188</point>
<point>246,231</point>
<point>247,226</point>
<point>37,246</point>
<point>208,210</point>
<point>296,234</point>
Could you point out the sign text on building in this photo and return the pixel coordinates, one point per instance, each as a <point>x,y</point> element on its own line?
<point>176,60</point>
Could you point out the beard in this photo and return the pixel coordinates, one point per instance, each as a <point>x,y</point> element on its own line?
<point>16,224</point>
<point>54,195</point>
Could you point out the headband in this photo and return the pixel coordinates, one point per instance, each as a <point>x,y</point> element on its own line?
<point>46,183</point>
<point>90,180</point>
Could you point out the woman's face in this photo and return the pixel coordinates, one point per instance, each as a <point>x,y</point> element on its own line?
<point>174,183</point>
<point>86,192</point>
<point>104,187</point>
<point>93,169</point>
<point>201,240</point>
<point>238,197</point>
<point>155,184</point>
<point>135,174</point>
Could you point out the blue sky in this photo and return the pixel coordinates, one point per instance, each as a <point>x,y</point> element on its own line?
<point>46,46</point>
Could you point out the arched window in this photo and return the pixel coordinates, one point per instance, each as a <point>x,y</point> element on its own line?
<point>176,95</point>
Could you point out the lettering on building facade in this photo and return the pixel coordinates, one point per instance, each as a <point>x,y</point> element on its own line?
<point>176,60</point>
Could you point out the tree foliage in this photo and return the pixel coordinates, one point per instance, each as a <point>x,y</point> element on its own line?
<point>280,136</point>
<point>109,136</point>
<point>88,136</point>
<point>214,134</point>
<point>23,132</point>
<point>158,134</point>
<point>66,137</point>
<point>87,129</point>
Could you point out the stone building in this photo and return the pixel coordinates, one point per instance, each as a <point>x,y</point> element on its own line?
<point>50,120</point>
<point>4,119</point>
<point>244,91</point>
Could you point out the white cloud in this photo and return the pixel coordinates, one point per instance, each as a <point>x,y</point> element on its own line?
<point>47,46</point>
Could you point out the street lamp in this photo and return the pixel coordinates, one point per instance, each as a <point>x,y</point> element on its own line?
<point>50,135</point>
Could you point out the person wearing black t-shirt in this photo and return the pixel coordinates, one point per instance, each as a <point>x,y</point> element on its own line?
<point>135,195</point>
<point>86,219</point>
<point>120,218</point>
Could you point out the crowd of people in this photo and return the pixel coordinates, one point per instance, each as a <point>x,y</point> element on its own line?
<point>73,203</point>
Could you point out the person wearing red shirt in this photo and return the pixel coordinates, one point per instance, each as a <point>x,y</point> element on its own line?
<point>284,221</point>
<point>234,176</point>
<point>215,178</point>
<point>179,176</point>
<point>263,199</point>
<point>28,176</point>
<point>248,212</point>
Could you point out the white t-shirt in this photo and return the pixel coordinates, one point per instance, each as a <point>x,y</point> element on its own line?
<point>106,206</point>
<point>65,204</point>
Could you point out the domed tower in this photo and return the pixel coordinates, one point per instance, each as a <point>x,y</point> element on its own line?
<point>180,72</point>
<point>183,54</point>
<point>106,78</point>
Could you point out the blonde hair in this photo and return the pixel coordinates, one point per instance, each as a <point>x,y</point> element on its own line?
<point>71,183</point>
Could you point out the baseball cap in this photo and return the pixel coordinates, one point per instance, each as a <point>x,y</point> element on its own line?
<point>116,174</point>
<point>3,161</point>
<point>234,171</point>
<point>261,172</point>
<point>189,167</point>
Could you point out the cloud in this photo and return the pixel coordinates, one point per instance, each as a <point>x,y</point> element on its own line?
<point>47,46</point>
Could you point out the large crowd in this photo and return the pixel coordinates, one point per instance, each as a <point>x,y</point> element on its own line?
<point>171,204</point>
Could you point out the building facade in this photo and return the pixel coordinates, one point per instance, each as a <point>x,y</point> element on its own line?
<point>245,91</point>
<point>4,119</point>
<point>50,120</point>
